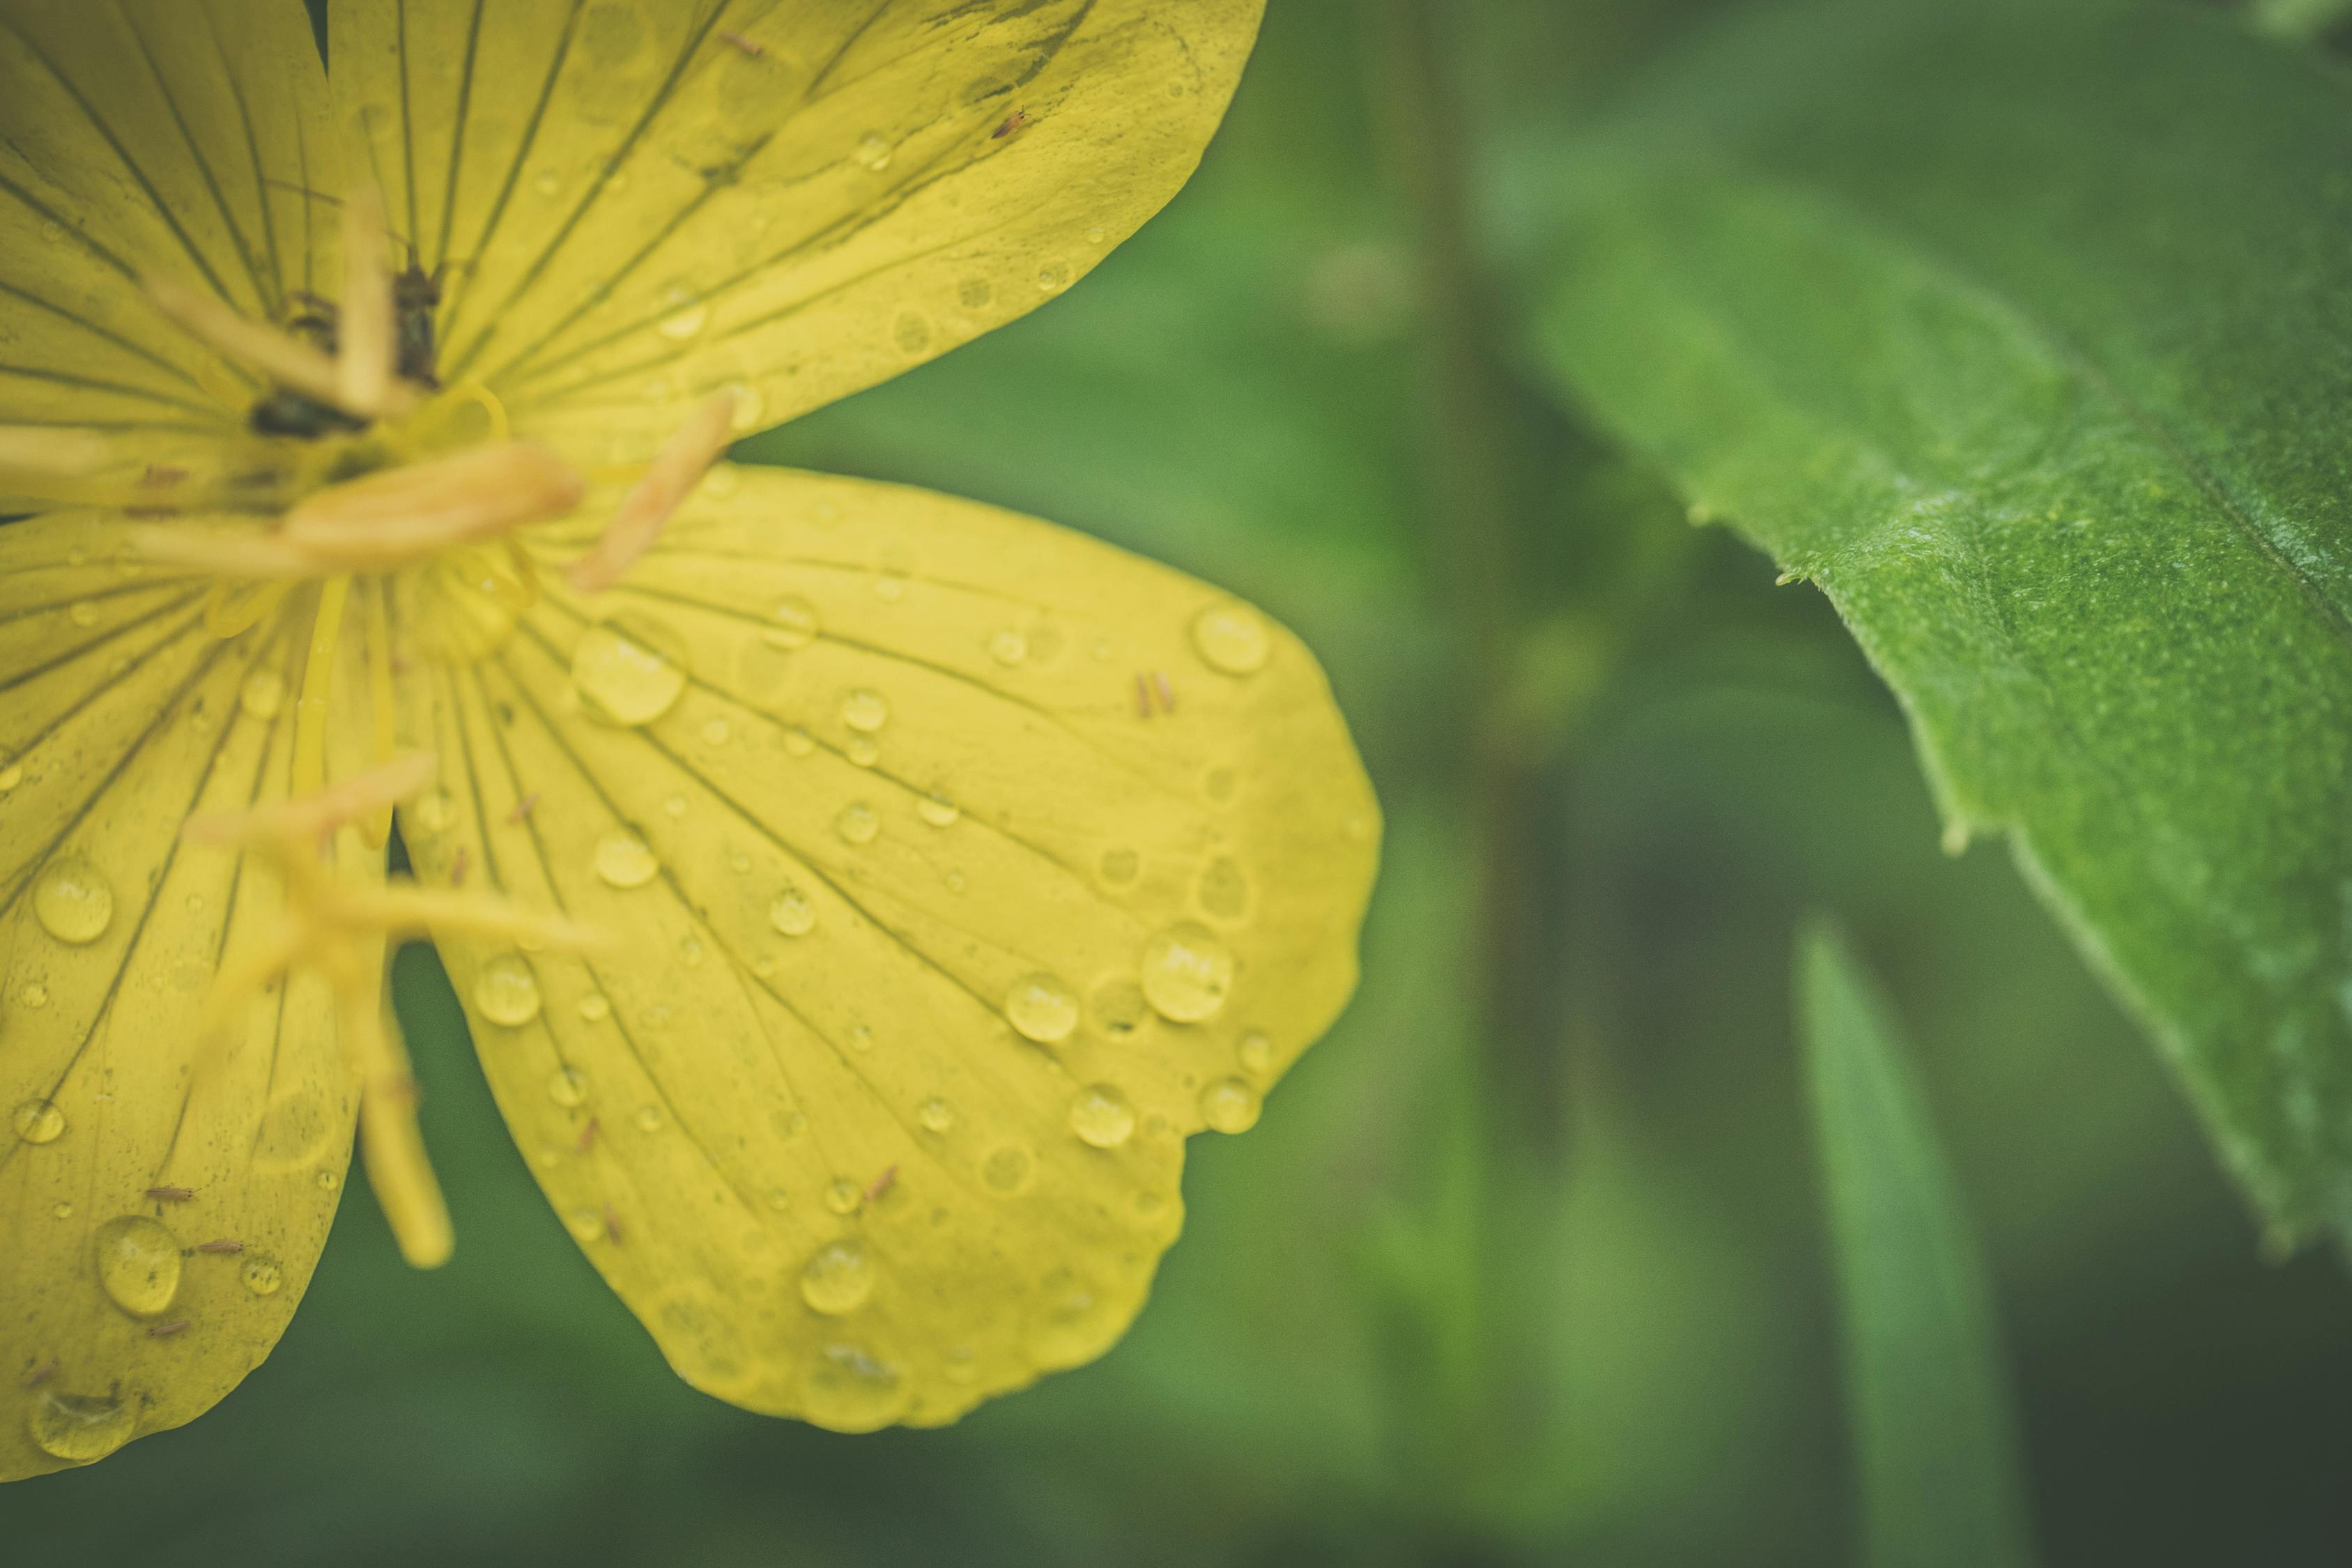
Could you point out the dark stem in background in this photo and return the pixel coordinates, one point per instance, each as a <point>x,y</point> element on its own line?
<point>1471,432</point>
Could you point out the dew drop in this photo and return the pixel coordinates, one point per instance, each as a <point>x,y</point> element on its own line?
<point>850,1390</point>
<point>1186,973</point>
<point>568,1086</point>
<point>779,1199</point>
<point>856,824</point>
<point>674,806</point>
<point>865,711</point>
<point>874,151</point>
<point>798,741</point>
<point>690,949</point>
<point>432,812</point>
<point>715,733</point>
<point>622,678</point>
<point>506,991</point>
<point>1120,866</point>
<point>39,1121</point>
<point>1101,1116</point>
<point>1229,1105</point>
<point>792,913</point>
<point>1119,1007</point>
<point>585,1225</point>
<point>82,613</point>
<point>937,810</point>
<point>1224,890</point>
<point>546,183</point>
<point>844,1197</point>
<point>838,1279</point>
<point>1053,276</point>
<point>1042,1008</point>
<point>911,332</point>
<point>11,777</point>
<point>861,1038</point>
<point>1232,638</point>
<point>1007,1169</point>
<point>975,293</point>
<point>34,995</point>
<point>862,750</point>
<point>79,1428</point>
<point>1008,646</point>
<point>138,1264</point>
<point>262,694</point>
<point>328,1181</point>
<point>625,860</point>
<point>685,323</point>
<point>649,1118</point>
<point>1254,1052</point>
<point>73,901</point>
<point>796,625</point>
<point>595,1007</point>
<point>936,1115</point>
<point>262,1275</point>
<point>61,1211</point>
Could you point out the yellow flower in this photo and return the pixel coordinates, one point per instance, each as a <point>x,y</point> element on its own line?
<point>949,868</point>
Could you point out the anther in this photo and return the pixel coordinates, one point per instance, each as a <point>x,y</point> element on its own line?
<point>676,469</point>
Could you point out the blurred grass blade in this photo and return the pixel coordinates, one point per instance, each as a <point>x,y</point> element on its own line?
<point>2020,329</point>
<point>1932,1429</point>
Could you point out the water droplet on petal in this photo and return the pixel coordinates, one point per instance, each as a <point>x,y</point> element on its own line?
<point>262,694</point>
<point>792,913</point>
<point>82,613</point>
<point>862,750</point>
<point>1224,890</point>
<point>937,810</point>
<point>34,995</point>
<point>838,1279</point>
<point>1119,1007</point>
<point>625,860</point>
<point>595,1007</point>
<point>1007,1169</point>
<point>715,733</point>
<point>568,1086</point>
<point>856,824</point>
<point>649,1118</point>
<point>432,812</point>
<point>1254,1052</point>
<point>79,1428</point>
<point>1053,276</point>
<point>11,777</point>
<point>1042,1008</point>
<point>1232,638</point>
<point>937,1115</point>
<point>874,151</point>
<point>685,323</point>
<point>73,901</point>
<point>61,1211</point>
<point>262,1275</point>
<point>865,711</point>
<point>1229,1105</point>
<point>585,1225</point>
<point>1186,973</point>
<point>138,1264</point>
<point>850,1390</point>
<point>844,1197</point>
<point>624,677</point>
<point>1008,646</point>
<point>1102,1116</point>
<point>798,742</point>
<point>796,625</point>
<point>507,992</point>
<point>39,1121</point>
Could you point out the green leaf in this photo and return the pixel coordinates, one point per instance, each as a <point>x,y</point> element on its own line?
<point>2020,330</point>
<point>1929,1407</point>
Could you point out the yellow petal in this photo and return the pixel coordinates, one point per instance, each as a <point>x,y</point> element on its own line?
<point>930,945</point>
<point>123,1307</point>
<point>144,138</point>
<point>644,204</point>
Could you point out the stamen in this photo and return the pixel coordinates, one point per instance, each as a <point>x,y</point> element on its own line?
<point>363,327</point>
<point>676,469</point>
<point>51,453</point>
<point>391,1146</point>
<point>235,553</point>
<point>375,828</point>
<point>283,358</point>
<point>306,819</point>
<point>317,688</point>
<point>402,515</point>
<point>232,609</point>
<point>341,932</point>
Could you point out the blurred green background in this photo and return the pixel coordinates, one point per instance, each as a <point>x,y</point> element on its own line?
<point>1525,1262</point>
